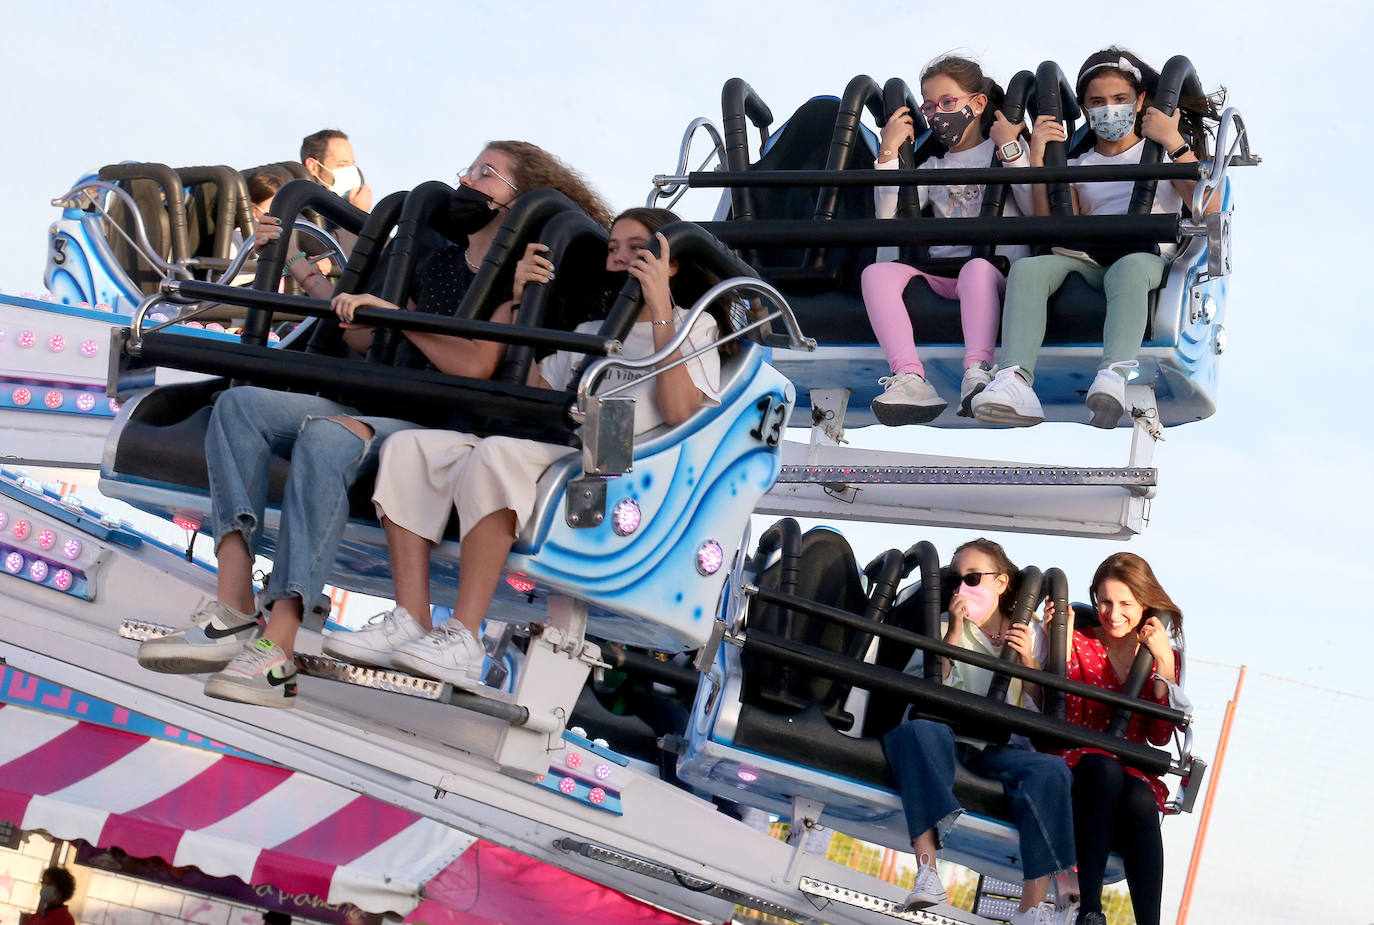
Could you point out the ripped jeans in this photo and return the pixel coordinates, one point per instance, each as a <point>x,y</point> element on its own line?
<point>247,427</point>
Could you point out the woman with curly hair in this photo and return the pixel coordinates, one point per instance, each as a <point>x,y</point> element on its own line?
<point>330,445</point>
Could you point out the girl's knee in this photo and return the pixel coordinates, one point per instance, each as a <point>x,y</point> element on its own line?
<point>330,438</point>
<point>979,268</point>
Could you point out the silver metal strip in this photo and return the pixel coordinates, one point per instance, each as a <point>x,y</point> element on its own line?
<point>71,200</point>
<point>835,893</point>
<point>967,475</point>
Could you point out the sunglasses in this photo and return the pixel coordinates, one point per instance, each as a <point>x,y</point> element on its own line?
<point>973,579</point>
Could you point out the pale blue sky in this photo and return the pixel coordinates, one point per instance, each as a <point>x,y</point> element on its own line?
<point>1257,528</point>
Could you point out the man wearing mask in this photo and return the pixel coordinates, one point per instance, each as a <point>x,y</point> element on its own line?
<point>56,888</point>
<point>328,155</point>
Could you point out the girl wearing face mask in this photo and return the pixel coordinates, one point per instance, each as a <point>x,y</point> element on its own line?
<point>922,753</point>
<point>1113,90</point>
<point>960,107</point>
<point>491,481</point>
<point>56,889</point>
<point>1116,808</point>
<point>331,446</point>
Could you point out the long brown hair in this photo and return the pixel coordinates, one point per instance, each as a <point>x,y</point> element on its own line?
<point>536,168</point>
<point>1136,574</point>
<point>968,74</point>
<point>1198,115</point>
<point>1000,561</point>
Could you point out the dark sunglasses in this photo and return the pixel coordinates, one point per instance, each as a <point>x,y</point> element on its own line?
<point>972,579</point>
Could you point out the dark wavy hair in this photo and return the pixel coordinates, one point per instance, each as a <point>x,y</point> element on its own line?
<point>691,281</point>
<point>536,168</point>
<point>1198,115</point>
<point>62,882</point>
<point>1000,561</point>
<point>968,74</point>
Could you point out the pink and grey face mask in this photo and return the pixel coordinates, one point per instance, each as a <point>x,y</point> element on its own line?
<point>1113,121</point>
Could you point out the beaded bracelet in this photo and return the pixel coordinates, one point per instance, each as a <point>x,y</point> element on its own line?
<point>298,255</point>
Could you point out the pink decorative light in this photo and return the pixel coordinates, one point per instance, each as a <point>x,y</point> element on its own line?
<point>186,523</point>
<point>2,335</point>
<point>157,317</point>
<point>574,760</point>
<point>72,548</point>
<point>215,326</point>
<point>540,778</point>
<point>4,519</point>
<point>603,771</point>
<point>38,570</point>
<point>83,304</point>
<point>53,399</point>
<point>21,529</point>
<point>597,796</point>
<point>57,343</point>
<point>47,297</point>
<point>273,337</point>
<point>195,324</point>
<point>14,563</point>
<point>626,516</point>
<point>85,401</point>
<point>748,775</point>
<point>520,582</point>
<point>26,339</point>
<point>21,396</point>
<point>103,307</point>
<point>89,348</point>
<point>62,579</point>
<point>46,539</point>
<point>567,785</point>
<point>710,557</point>
<point>114,406</point>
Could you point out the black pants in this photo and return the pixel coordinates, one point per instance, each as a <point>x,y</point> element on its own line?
<point>1113,811</point>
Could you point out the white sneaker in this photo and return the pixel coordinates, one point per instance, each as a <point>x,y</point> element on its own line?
<point>976,378</point>
<point>1106,397</point>
<point>1008,399</point>
<point>216,633</point>
<point>906,399</point>
<point>1043,914</point>
<point>447,653</point>
<point>372,645</point>
<point>927,890</point>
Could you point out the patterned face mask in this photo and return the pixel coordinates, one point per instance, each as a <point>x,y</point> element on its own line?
<point>950,127</point>
<point>1112,122</point>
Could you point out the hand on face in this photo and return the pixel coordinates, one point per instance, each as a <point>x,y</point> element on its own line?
<point>653,273</point>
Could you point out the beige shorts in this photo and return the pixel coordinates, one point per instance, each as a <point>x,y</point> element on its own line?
<point>423,474</point>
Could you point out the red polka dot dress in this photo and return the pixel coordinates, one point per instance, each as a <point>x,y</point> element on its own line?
<point>1088,663</point>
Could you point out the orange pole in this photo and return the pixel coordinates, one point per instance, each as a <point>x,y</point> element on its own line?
<point>1206,817</point>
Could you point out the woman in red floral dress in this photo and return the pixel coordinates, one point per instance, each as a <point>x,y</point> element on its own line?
<point>1116,808</point>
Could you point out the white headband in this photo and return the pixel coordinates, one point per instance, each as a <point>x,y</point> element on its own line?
<point>1121,65</point>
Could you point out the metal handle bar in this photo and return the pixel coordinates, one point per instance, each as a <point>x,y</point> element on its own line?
<point>663,191</point>
<point>68,201</point>
<point>1211,184</point>
<point>599,368</point>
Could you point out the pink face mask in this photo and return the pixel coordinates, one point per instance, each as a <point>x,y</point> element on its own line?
<point>979,598</point>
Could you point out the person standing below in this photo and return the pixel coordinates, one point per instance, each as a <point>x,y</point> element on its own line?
<point>328,156</point>
<point>56,888</point>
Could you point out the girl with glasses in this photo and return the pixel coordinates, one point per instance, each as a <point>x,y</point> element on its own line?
<point>960,107</point>
<point>1114,89</point>
<point>923,753</point>
<point>1116,808</point>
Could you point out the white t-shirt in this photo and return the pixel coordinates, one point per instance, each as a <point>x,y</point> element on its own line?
<point>704,369</point>
<point>1114,198</point>
<point>956,201</point>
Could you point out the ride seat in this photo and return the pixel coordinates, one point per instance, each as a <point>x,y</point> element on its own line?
<point>152,208</point>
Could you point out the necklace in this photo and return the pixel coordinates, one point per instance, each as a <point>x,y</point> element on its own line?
<point>468,260</point>
<point>997,637</point>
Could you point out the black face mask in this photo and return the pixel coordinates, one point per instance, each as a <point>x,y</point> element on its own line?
<point>612,283</point>
<point>950,127</point>
<point>470,211</point>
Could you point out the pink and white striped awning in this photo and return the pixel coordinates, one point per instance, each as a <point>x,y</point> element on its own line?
<point>226,815</point>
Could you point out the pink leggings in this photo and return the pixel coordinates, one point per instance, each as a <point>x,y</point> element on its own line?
<point>979,290</point>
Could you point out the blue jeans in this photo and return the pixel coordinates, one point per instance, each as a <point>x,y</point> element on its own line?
<point>922,756</point>
<point>247,427</point>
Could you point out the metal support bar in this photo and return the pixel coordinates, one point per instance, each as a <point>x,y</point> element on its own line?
<point>1132,477</point>
<point>719,179</point>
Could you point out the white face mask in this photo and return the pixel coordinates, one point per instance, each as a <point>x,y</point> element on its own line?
<point>346,180</point>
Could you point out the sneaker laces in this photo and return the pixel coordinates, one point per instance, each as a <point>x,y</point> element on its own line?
<point>256,659</point>
<point>1130,366</point>
<point>896,379</point>
<point>451,631</point>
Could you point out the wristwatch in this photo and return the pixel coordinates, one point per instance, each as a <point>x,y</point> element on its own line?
<point>1179,151</point>
<point>1010,151</point>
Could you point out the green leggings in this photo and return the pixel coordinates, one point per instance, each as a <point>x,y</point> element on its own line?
<point>1127,284</point>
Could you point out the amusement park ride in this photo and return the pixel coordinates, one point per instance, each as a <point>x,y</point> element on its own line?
<point>638,560</point>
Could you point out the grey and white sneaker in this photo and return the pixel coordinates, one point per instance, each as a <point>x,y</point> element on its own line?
<point>1106,397</point>
<point>906,399</point>
<point>1008,399</point>
<point>447,653</point>
<point>1043,914</point>
<point>373,644</point>
<point>927,890</point>
<point>976,378</point>
<point>261,674</point>
<point>216,633</point>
